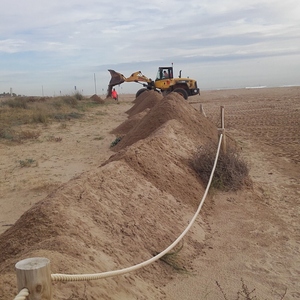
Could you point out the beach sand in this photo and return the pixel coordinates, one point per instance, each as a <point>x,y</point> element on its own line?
<point>91,208</point>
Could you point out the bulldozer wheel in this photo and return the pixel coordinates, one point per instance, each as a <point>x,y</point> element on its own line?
<point>140,92</point>
<point>182,92</point>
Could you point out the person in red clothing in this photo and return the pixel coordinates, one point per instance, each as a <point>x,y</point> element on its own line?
<point>114,94</point>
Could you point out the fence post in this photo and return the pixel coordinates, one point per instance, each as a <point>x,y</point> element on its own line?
<point>35,275</point>
<point>202,110</point>
<point>223,129</point>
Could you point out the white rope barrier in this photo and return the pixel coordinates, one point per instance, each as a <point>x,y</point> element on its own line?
<point>22,294</point>
<point>85,277</point>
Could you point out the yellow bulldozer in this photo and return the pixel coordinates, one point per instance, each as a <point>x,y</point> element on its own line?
<point>164,82</point>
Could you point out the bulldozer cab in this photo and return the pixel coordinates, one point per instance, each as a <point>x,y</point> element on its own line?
<point>164,73</point>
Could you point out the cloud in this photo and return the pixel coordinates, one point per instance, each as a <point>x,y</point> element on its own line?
<point>80,37</point>
<point>12,45</point>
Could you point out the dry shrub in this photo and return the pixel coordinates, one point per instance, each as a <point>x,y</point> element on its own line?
<point>52,138</point>
<point>71,101</point>
<point>29,134</point>
<point>245,293</point>
<point>7,133</point>
<point>40,116</point>
<point>78,96</point>
<point>21,102</point>
<point>231,173</point>
<point>14,136</point>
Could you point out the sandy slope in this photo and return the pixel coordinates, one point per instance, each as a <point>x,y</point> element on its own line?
<point>136,203</point>
<point>85,143</point>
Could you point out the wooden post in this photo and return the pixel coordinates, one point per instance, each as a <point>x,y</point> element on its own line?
<point>35,275</point>
<point>202,110</point>
<point>223,129</point>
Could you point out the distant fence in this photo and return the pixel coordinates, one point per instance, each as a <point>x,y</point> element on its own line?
<point>34,278</point>
<point>210,111</point>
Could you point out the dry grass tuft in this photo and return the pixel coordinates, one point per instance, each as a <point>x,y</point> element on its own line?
<point>245,293</point>
<point>173,260</point>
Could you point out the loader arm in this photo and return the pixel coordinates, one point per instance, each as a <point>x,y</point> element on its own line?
<point>138,76</point>
<point>118,78</point>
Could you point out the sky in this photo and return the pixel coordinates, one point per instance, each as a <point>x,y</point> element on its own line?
<point>48,48</point>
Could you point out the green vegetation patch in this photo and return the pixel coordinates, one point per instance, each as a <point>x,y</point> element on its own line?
<point>115,142</point>
<point>28,162</point>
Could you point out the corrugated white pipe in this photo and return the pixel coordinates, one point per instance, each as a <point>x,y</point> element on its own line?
<point>22,294</point>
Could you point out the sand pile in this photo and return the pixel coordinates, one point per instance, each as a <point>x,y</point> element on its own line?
<point>143,103</point>
<point>97,99</point>
<point>147,99</point>
<point>130,123</point>
<point>122,213</point>
<point>170,108</point>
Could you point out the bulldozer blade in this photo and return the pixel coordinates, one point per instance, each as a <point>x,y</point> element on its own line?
<point>116,78</point>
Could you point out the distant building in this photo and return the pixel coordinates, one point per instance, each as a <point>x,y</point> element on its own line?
<point>8,95</point>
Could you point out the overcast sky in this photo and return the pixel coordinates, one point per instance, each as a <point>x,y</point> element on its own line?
<point>52,46</point>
